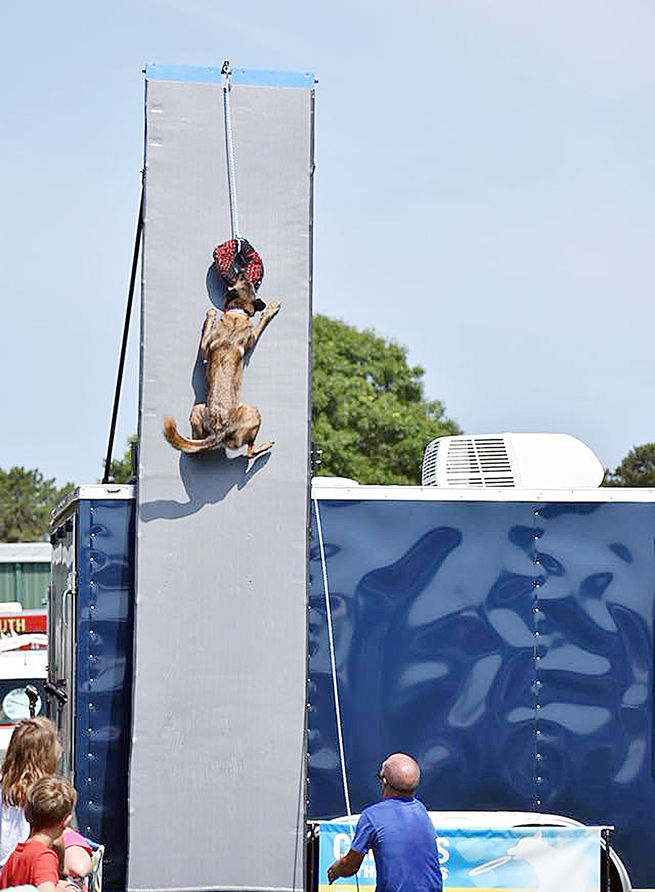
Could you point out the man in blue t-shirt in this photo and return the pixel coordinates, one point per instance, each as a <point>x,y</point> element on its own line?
<point>399,831</point>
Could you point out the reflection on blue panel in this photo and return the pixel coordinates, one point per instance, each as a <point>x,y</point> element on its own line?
<point>104,676</point>
<point>508,646</point>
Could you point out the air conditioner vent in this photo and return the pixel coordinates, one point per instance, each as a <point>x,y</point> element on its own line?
<point>540,461</point>
<point>472,461</point>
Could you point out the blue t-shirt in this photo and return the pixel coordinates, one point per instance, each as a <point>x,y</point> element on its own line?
<point>404,844</point>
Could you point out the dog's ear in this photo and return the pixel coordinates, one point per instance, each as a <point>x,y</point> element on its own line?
<point>258,304</point>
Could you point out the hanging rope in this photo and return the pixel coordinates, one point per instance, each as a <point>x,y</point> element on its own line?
<point>333,663</point>
<point>226,71</point>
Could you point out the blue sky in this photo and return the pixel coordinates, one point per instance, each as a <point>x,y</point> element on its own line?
<point>491,164</point>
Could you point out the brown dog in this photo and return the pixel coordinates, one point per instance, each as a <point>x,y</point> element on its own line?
<point>223,420</point>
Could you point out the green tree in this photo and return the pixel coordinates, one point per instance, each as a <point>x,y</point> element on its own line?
<point>369,413</point>
<point>26,500</point>
<point>120,469</point>
<point>636,469</point>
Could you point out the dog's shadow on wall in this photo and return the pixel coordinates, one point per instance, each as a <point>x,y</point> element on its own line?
<point>207,478</point>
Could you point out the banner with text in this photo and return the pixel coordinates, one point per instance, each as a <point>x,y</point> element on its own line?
<point>525,859</point>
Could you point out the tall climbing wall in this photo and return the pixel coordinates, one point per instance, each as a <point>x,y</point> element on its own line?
<point>217,767</point>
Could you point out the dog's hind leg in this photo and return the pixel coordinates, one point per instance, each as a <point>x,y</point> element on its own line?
<point>247,421</point>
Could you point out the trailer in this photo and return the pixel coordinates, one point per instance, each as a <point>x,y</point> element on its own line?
<point>503,637</point>
<point>90,676</point>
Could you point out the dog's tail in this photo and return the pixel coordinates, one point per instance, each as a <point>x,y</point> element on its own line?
<point>182,443</point>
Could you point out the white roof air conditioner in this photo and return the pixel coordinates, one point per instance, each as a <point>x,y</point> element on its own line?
<point>525,461</point>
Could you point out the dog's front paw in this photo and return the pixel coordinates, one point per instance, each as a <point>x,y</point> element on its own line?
<point>212,313</point>
<point>272,309</point>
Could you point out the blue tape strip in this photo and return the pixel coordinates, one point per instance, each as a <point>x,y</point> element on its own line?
<point>261,78</point>
<point>183,73</point>
<point>253,77</point>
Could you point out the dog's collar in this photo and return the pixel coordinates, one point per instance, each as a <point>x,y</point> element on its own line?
<point>236,310</point>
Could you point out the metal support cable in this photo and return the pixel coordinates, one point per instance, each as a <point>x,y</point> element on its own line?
<point>229,151</point>
<point>126,331</point>
<point>333,663</point>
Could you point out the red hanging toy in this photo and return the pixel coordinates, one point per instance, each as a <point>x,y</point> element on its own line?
<point>238,256</point>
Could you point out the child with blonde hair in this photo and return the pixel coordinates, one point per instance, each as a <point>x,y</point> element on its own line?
<point>49,809</point>
<point>34,751</point>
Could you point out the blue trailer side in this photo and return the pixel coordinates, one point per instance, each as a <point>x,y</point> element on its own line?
<point>507,644</point>
<point>90,659</point>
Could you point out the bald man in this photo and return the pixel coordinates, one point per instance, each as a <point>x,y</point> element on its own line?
<point>399,831</point>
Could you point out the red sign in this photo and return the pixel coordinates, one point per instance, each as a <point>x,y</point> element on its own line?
<point>24,622</point>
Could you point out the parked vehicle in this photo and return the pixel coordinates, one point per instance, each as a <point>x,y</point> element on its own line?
<point>89,686</point>
<point>503,637</point>
<point>23,662</point>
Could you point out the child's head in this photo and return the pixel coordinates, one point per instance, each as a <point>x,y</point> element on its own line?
<point>34,751</point>
<point>49,802</point>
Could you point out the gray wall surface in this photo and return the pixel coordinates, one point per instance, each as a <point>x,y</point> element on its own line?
<point>217,768</point>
